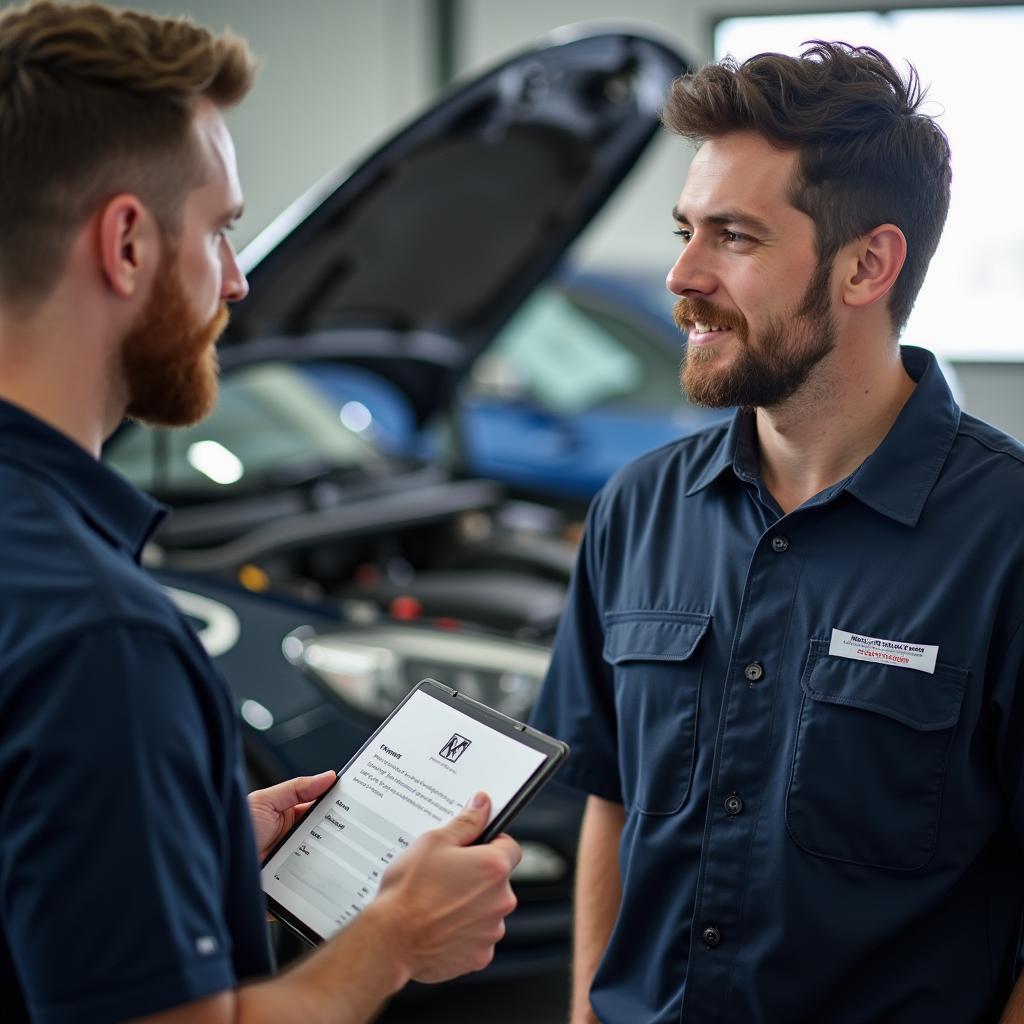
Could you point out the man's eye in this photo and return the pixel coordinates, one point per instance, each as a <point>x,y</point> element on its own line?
<point>684,233</point>
<point>735,236</point>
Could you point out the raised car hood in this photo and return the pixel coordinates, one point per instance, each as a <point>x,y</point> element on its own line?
<point>411,264</point>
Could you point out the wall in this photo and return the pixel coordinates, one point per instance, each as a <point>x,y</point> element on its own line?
<point>995,392</point>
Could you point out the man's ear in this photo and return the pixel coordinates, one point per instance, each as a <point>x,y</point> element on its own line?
<point>129,244</point>
<point>873,263</point>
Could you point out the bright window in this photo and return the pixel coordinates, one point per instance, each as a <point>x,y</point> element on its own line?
<point>970,60</point>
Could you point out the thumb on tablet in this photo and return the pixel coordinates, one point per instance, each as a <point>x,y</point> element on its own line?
<point>470,821</point>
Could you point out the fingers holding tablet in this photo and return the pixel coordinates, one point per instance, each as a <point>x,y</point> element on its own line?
<point>275,810</point>
<point>449,899</point>
<point>468,825</point>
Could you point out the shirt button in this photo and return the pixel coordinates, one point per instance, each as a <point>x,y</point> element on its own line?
<point>780,544</point>
<point>733,805</point>
<point>711,936</point>
<point>754,671</point>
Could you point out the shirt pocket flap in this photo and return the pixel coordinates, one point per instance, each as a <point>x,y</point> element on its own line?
<point>653,636</point>
<point>923,701</point>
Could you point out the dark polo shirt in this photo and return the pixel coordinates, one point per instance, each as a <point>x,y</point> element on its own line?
<point>128,875</point>
<point>815,722</point>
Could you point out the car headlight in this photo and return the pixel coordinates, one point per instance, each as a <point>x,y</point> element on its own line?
<point>373,668</point>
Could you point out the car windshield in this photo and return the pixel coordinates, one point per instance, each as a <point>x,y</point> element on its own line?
<point>272,425</point>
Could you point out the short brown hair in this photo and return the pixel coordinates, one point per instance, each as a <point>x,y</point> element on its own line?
<point>95,101</point>
<point>866,155</point>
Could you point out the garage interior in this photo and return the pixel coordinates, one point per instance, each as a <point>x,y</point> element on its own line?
<point>339,76</point>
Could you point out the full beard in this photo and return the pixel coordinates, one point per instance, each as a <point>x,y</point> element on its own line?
<point>168,360</point>
<point>772,370</point>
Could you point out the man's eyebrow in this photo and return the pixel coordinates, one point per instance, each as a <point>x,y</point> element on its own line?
<point>738,217</point>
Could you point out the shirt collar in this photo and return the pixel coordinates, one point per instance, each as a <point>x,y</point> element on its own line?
<point>113,506</point>
<point>735,449</point>
<point>897,477</point>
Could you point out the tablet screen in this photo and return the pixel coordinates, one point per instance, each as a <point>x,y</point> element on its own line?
<point>416,773</point>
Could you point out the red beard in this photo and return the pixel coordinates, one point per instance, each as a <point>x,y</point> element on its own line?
<point>168,358</point>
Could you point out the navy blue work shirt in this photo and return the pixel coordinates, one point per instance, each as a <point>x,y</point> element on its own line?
<point>813,835</point>
<point>128,875</point>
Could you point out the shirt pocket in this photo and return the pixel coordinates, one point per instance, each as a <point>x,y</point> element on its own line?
<point>657,660</point>
<point>870,759</point>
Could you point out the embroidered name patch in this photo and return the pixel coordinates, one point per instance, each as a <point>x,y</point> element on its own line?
<point>891,652</point>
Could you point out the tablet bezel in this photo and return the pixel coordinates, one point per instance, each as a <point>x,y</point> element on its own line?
<point>555,752</point>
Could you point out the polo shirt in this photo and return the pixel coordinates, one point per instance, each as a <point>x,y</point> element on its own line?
<point>816,831</point>
<point>128,875</point>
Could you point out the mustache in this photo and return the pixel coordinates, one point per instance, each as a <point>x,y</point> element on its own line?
<point>687,312</point>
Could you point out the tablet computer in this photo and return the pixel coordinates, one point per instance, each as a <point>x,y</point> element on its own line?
<point>416,772</point>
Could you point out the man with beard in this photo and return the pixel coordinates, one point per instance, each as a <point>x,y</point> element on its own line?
<point>129,878</point>
<point>791,659</point>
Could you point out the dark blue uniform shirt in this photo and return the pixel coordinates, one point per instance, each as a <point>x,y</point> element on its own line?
<point>128,874</point>
<point>810,838</point>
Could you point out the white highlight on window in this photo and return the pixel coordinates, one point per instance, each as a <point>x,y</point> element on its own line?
<point>355,416</point>
<point>258,716</point>
<point>215,461</point>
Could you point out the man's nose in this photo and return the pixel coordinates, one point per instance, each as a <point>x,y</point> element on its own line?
<point>234,286</point>
<point>691,272</point>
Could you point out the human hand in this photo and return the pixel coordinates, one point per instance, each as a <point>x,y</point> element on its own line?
<point>447,901</point>
<point>274,810</point>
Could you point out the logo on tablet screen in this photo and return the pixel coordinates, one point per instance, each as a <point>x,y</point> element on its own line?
<point>455,747</point>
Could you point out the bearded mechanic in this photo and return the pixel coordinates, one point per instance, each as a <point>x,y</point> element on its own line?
<point>129,879</point>
<point>783,826</point>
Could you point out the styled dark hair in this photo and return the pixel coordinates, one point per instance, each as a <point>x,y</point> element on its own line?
<point>866,155</point>
<point>93,102</point>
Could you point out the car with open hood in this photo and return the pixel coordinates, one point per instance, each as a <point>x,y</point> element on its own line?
<point>326,575</point>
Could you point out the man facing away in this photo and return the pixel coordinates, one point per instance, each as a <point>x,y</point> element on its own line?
<point>791,659</point>
<point>129,879</point>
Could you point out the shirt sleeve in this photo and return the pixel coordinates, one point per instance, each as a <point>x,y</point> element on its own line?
<point>576,702</point>
<point>111,859</point>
